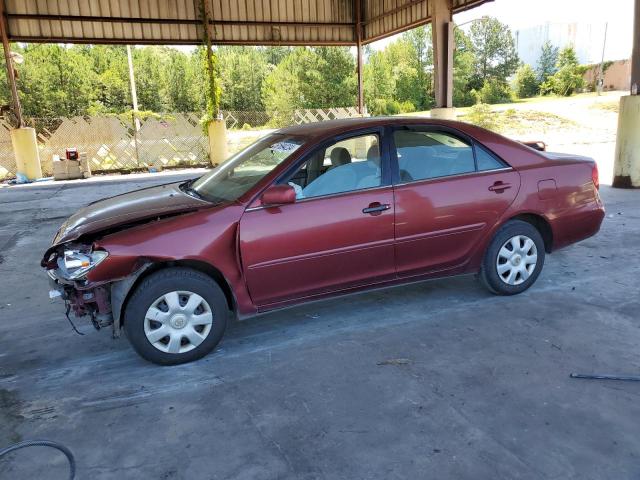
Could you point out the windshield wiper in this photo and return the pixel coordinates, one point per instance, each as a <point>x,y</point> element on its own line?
<point>189,190</point>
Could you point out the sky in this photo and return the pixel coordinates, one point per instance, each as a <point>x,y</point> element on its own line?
<point>525,14</point>
<point>519,13</point>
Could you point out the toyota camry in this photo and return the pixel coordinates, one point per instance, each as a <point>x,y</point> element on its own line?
<point>315,211</point>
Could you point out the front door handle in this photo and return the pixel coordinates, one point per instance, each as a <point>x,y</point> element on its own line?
<point>376,208</point>
<point>499,187</point>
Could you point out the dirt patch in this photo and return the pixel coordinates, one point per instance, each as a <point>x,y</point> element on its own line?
<point>519,122</point>
<point>608,106</point>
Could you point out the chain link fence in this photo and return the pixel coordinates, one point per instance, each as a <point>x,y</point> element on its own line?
<point>148,142</point>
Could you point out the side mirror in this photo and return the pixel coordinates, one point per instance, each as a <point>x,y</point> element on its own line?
<point>278,195</point>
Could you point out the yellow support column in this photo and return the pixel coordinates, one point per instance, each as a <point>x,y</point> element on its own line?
<point>26,151</point>
<point>217,130</point>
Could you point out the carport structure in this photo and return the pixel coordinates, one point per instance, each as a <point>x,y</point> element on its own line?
<point>270,22</point>
<point>241,22</point>
<point>235,22</point>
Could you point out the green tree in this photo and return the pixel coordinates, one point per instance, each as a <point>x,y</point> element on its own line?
<point>494,49</point>
<point>495,91</point>
<point>420,59</point>
<point>569,77</point>
<point>274,55</point>
<point>150,64</point>
<point>112,89</point>
<point>526,82</point>
<point>280,90</point>
<point>463,68</point>
<point>546,66</point>
<point>242,72</point>
<point>311,78</point>
<point>55,81</point>
<point>178,82</point>
<point>379,84</point>
<point>398,79</point>
<point>327,77</point>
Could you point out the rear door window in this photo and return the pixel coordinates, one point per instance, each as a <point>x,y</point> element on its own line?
<point>423,155</point>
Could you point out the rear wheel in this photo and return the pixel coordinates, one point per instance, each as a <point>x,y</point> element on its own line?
<point>514,259</point>
<point>175,316</point>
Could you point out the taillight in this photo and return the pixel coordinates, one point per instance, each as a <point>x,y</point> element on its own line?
<point>594,176</point>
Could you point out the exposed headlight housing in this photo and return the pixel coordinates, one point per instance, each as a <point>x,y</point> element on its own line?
<point>75,263</point>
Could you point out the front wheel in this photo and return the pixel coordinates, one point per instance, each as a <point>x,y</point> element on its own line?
<point>514,259</point>
<point>176,316</point>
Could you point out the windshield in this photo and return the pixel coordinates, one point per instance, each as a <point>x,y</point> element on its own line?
<point>237,175</point>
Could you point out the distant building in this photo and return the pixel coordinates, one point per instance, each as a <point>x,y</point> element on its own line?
<point>586,38</point>
<point>617,75</point>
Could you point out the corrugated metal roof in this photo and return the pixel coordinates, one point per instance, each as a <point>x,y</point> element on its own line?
<point>251,22</point>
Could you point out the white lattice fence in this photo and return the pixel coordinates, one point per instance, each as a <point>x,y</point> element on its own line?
<point>173,140</point>
<point>169,140</point>
<point>111,142</point>
<point>323,114</point>
<point>7,158</point>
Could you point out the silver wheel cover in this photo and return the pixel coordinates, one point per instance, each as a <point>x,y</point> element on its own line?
<point>517,260</point>
<point>178,322</point>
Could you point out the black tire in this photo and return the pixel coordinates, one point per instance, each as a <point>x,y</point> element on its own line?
<point>489,275</point>
<point>161,283</point>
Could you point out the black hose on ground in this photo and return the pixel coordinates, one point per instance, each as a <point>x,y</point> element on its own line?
<point>45,443</point>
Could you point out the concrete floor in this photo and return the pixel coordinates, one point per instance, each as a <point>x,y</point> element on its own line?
<point>433,380</point>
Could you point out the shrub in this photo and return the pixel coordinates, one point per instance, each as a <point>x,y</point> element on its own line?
<point>568,79</point>
<point>407,107</point>
<point>495,91</point>
<point>482,116</point>
<point>381,106</point>
<point>464,97</point>
<point>526,82</point>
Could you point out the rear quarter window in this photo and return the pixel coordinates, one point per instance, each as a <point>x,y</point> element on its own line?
<point>487,161</point>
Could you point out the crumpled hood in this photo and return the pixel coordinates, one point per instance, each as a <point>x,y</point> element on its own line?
<point>127,208</point>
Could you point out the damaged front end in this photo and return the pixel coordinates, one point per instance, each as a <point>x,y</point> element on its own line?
<point>92,282</point>
<point>67,267</point>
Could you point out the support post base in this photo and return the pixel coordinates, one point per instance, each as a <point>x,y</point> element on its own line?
<point>627,160</point>
<point>25,148</point>
<point>444,113</point>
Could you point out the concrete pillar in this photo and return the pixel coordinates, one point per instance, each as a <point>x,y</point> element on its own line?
<point>217,130</point>
<point>626,171</point>
<point>443,40</point>
<point>627,160</point>
<point>635,55</point>
<point>25,148</point>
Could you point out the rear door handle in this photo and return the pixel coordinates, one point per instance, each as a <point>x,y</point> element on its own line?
<point>499,187</point>
<point>376,208</point>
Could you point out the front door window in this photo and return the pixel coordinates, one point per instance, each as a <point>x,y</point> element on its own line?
<point>345,166</point>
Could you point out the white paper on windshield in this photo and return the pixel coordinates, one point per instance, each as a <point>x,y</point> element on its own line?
<point>285,147</point>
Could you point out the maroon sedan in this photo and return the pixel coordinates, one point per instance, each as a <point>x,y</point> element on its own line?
<point>314,211</point>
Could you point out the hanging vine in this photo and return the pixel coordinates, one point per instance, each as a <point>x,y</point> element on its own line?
<point>213,91</point>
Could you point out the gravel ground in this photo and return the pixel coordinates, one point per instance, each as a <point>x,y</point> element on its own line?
<point>432,380</point>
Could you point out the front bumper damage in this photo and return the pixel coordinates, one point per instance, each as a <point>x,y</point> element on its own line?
<point>94,302</point>
<point>103,303</point>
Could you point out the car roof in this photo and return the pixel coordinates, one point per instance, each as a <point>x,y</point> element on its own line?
<point>328,127</point>
<point>515,153</point>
